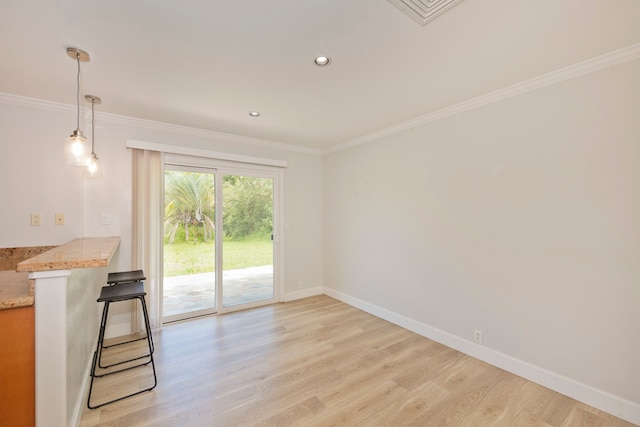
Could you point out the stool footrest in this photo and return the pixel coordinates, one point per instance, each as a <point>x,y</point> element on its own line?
<point>126,342</point>
<point>106,374</point>
<point>121,398</point>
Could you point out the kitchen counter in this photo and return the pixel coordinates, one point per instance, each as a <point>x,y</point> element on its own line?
<point>16,290</point>
<point>87,252</point>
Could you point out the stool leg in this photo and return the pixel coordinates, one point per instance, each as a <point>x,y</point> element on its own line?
<point>103,328</point>
<point>93,370</point>
<point>148,335</point>
<point>145,314</point>
<point>94,362</point>
<point>149,340</point>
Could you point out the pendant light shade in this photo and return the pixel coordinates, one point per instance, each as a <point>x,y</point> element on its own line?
<point>76,148</point>
<point>93,167</point>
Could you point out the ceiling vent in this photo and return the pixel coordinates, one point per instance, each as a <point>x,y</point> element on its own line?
<point>423,11</point>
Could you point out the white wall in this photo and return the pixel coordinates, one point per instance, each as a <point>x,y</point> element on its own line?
<point>521,219</point>
<point>35,180</point>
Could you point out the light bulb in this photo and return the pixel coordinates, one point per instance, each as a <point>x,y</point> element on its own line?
<point>76,149</point>
<point>92,166</point>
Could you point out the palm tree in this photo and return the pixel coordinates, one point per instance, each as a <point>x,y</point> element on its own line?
<point>189,201</point>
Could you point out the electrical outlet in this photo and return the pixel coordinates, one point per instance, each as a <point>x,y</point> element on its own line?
<point>36,219</point>
<point>105,219</point>
<point>300,284</point>
<point>477,336</point>
<point>59,219</point>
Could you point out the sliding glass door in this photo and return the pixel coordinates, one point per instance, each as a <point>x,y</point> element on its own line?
<point>189,252</point>
<point>247,249</point>
<point>218,241</point>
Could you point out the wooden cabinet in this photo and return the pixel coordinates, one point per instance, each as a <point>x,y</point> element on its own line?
<point>17,367</point>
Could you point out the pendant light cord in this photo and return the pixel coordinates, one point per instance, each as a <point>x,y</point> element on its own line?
<point>93,137</point>
<point>78,92</point>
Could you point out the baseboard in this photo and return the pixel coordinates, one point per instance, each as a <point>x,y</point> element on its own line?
<point>303,293</point>
<point>607,402</point>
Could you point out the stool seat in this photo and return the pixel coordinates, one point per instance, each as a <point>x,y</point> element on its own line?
<point>122,292</point>
<point>125,277</point>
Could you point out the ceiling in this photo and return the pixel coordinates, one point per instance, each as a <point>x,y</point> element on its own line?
<point>206,64</point>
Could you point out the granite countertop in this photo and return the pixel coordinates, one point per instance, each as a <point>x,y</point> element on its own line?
<point>86,252</point>
<point>16,290</point>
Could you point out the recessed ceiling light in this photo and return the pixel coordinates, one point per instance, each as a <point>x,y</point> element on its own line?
<point>254,114</point>
<point>321,61</point>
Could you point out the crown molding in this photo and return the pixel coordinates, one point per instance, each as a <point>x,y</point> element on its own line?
<point>22,101</point>
<point>619,56</point>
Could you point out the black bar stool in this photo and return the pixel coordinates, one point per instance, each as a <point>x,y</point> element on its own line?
<point>126,291</point>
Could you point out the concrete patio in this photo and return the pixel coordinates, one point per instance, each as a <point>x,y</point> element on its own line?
<point>183,294</point>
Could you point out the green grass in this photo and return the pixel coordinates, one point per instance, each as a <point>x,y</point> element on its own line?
<point>181,258</point>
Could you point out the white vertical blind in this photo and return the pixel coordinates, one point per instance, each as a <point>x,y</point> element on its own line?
<point>148,207</point>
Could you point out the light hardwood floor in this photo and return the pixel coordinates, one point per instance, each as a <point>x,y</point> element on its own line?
<point>319,362</point>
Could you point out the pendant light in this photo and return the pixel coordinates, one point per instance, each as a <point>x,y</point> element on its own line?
<point>76,148</point>
<point>93,169</point>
